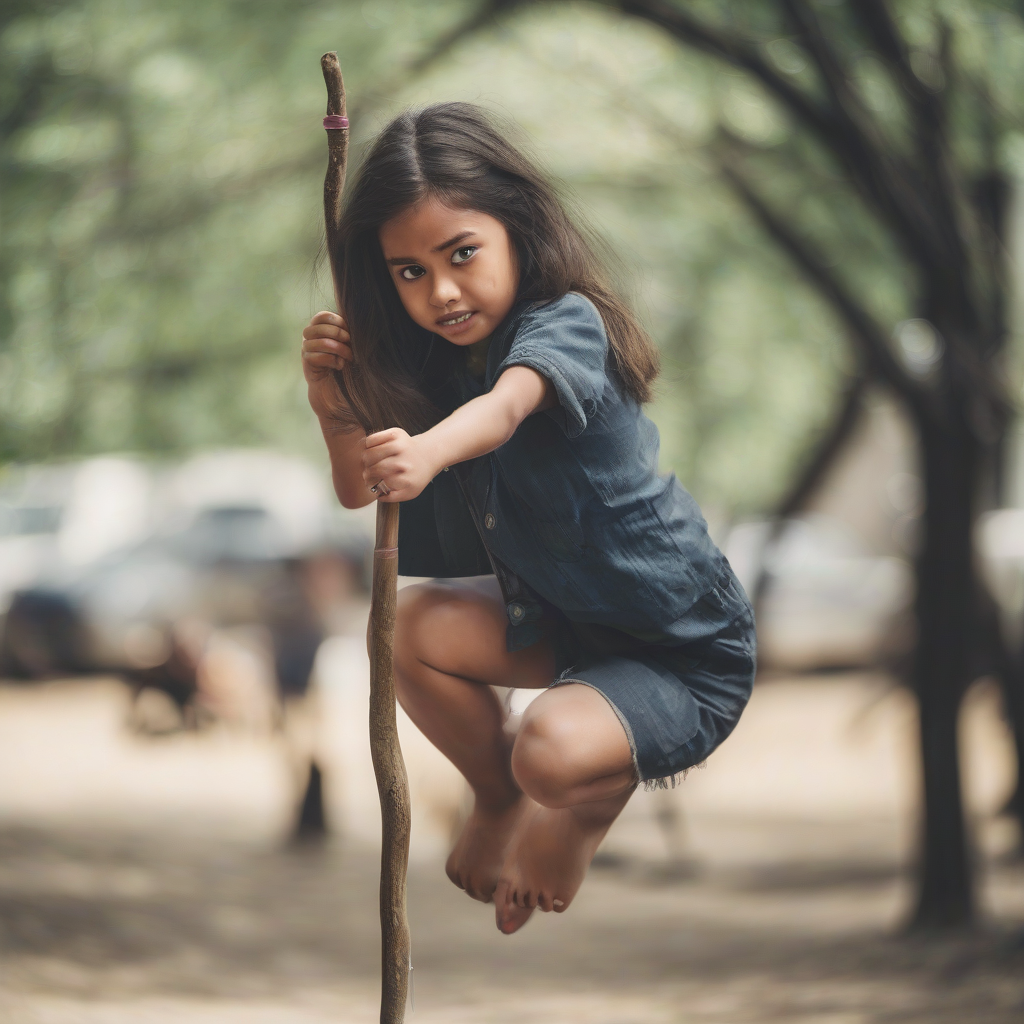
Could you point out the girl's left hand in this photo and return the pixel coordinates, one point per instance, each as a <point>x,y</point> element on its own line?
<point>398,461</point>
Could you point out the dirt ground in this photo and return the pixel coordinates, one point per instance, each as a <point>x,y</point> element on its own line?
<point>147,880</point>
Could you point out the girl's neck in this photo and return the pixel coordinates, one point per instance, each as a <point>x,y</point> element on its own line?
<point>476,357</point>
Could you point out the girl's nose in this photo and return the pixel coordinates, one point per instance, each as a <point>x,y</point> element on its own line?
<point>445,291</point>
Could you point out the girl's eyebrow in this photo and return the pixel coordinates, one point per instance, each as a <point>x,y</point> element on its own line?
<point>454,240</point>
<point>398,261</point>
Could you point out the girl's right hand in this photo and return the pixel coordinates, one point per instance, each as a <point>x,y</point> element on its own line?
<point>326,347</point>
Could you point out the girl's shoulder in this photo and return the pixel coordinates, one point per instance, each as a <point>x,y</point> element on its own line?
<point>571,310</point>
<point>565,341</point>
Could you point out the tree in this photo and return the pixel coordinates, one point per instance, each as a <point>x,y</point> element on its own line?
<point>900,112</point>
<point>156,254</point>
<point>155,166</point>
<point>158,215</point>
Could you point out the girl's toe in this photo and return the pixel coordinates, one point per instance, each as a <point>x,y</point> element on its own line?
<point>510,917</point>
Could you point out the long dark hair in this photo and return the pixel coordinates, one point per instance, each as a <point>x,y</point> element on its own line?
<point>453,151</point>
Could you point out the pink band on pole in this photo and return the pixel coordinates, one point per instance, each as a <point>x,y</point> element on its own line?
<point>332,121</point>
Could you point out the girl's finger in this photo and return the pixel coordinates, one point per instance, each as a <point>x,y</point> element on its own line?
<point>344,357</point>
<point>325,316</point>
<point>392,477</point>
<point>331,362</point>
<point>314,331</point>
<point>375,456</point>
<point>383,436</point>
<point>327,345</point>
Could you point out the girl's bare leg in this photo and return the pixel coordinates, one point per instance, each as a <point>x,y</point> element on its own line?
<point>573,761</point>
<point>542,807</point>
<point>449,645</point>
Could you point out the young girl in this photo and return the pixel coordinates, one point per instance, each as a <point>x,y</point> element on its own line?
<point>505,383</point>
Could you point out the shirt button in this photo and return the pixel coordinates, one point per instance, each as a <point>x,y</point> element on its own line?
<point>516,611</point>
<point>489,521</point>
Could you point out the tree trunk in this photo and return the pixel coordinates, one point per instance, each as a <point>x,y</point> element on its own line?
<point>946,617</point>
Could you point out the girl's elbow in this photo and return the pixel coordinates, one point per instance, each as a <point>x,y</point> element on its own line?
<point>352,496</point>
<point>351,501</point>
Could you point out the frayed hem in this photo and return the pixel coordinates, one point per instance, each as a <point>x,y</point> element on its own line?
<point>671,781</point>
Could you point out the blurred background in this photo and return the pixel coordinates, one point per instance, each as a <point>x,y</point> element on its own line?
<point>188,818</point>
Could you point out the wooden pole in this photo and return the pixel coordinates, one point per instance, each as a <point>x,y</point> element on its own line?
<point>389,768</point>
<point>388,765</point>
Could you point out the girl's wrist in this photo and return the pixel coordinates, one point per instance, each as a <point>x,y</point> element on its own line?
<point>431,452</point>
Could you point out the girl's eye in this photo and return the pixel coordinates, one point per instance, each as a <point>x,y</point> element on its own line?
<point>463,254</point>
<point>412,272</point>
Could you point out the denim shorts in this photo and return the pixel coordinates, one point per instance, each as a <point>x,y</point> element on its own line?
<point>677,702</point>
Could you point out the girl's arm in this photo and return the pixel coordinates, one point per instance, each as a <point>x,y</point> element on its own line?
<point>325,348</point>
<point>407,464</point>
<point>346,448</point>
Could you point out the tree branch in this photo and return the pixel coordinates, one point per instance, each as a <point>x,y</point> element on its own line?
<point>856,124</point>
<point>829,447</point>
<point>488,12</point>
<point>877,22</point>
<point>812,475</point>
<point>889,186</point>
<point>895,185</point>
<point>235,188</point>
<point>869,337</point>
<point>736,51</point>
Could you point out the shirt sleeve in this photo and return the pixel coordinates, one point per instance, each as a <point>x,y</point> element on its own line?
<point>565,342</point>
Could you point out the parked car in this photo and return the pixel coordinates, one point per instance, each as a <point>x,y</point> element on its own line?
<point>827,602</point>
<point>231,527</point>
<point>65,516</point>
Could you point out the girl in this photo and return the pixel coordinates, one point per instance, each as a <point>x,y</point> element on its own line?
<point>479,331</point>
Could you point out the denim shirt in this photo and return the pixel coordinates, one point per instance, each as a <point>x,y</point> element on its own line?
<point>570,511</point>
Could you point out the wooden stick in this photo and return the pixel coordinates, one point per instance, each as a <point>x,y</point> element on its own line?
<point>389,768</point>
<point>388,765</point>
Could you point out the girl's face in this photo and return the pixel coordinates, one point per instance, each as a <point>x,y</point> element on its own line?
<point>455,270</point>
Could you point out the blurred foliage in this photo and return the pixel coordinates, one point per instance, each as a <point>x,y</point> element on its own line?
<point>161,213</point>
<point>160,168</point>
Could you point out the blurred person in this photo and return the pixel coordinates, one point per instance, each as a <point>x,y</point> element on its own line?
<point>174,672</point>
<point>296,632</point>
<point>294,626</point>
<point>477,323</point>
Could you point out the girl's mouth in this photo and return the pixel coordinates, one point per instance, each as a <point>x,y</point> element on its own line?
<point>457,322</point>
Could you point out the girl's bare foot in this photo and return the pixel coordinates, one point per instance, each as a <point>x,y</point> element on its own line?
<point>475,862</point>
<point>548,860</point>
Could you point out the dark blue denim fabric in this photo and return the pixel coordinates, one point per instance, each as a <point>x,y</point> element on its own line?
<point>676,703</point>
<point>571,514</point>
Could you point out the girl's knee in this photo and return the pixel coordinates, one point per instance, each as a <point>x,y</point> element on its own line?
<point>542,758</point>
